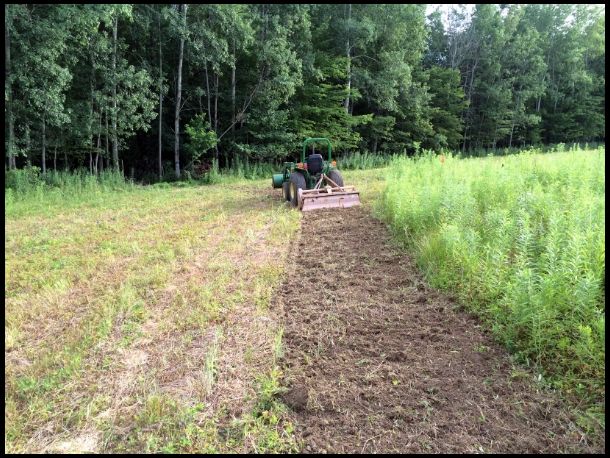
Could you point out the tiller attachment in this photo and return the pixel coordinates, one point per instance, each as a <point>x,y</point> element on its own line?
<point>330,196</point>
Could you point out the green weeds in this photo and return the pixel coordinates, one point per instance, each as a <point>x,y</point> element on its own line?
<point>521,240</point>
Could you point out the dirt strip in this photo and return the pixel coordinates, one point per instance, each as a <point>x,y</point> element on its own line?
<point>376,361</point>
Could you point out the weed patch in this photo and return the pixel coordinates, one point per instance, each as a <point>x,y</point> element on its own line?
<point>521,241</point>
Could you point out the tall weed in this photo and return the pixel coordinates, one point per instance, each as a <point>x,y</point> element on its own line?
<point>521,240</point>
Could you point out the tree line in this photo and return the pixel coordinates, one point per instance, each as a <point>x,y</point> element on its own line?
<point>160,89</point>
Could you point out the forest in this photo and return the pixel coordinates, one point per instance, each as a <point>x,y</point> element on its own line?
<point>159,90</point>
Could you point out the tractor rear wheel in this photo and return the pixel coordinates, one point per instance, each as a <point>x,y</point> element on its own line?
<point>336,177</point>
<point>297,181</point>
<point>286,190</point>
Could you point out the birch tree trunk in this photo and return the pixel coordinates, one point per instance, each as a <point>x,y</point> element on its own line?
<point>233,69</point>
<point>44,146</point>
<point>474,67</point>
<point>99,143</point>
<point>216,154</point>
<point>216,103</point>
<point>207,90</point>
<point>512,127</point>
<point>107,141</point>
<point>160,100</point>
<point>179,97</point>
<point>349,60</point>
<point>115,145</point>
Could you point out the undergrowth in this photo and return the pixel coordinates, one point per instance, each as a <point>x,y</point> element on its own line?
<point>521,241</point>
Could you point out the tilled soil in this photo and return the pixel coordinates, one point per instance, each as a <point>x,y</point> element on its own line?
<point>377,361</point>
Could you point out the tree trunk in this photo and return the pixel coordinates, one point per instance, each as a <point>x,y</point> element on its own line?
<point>474,67</point>
<point>91,112</point>
<point>115,145</point>
<point>349,61</point>
<point>9,94</point>
<point>512,128</point>
<point>65,160</point>
<point>160,100</point>
<point>44,146</point>
<point>464,137</point>
<point>233,90</point>
<point>107,142</point>
<point>55,158</point>
<point>216,114</point>
<point>216,103</point>
<point>28,141</point>
<point>178,99</point>
<point>99,142</point>
<point>207,90</point>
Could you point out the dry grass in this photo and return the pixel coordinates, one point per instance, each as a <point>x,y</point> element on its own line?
<point>144,324</point>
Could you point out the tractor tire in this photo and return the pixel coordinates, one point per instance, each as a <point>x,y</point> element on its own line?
<point>297,181</point>
<point>336,177</point>
<point>286,190</point>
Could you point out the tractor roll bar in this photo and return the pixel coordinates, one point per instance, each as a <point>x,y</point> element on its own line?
<point>317,139</point>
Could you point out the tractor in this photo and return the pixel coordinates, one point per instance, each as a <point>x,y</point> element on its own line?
<point>315,183</point>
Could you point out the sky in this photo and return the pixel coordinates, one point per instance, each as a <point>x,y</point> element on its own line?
<point>445,8</point>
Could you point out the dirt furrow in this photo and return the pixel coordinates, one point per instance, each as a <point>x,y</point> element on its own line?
<point>377,361</point>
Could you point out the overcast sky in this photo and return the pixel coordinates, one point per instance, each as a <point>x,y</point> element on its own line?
<point>445,8</point>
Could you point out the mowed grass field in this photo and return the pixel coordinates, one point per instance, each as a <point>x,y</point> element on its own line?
<point>139,319</point>
<point>142,323</point>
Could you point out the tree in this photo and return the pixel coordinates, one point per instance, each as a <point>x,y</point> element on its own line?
<point>88,80</point>
<point>41,72</point>
<point>201,137</point>
<point>8,86</point>
<point>183,32</point>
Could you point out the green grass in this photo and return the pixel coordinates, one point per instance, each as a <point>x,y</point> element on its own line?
<point>121,300</point>
<point>364,161</point>
<point>521,241</point>
<point>118,305</point>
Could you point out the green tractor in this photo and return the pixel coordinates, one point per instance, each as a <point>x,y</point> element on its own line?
<point>315,183</point>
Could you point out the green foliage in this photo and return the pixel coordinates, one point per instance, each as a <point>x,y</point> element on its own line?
<point>375,78</point>
<point>318,110</point>
<point>28,188</point>
<point>447,104</point>
<point>201,137</point>
<point>529,73</point>
<point>521,240</point>
<point>363,161</point>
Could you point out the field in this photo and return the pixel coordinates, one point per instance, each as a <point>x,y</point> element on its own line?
<point>141,321</point>
<point>521,240</point>
<point>174,319</point>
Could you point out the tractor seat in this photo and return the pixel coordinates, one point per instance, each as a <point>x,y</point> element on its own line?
<point>315,163</point>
